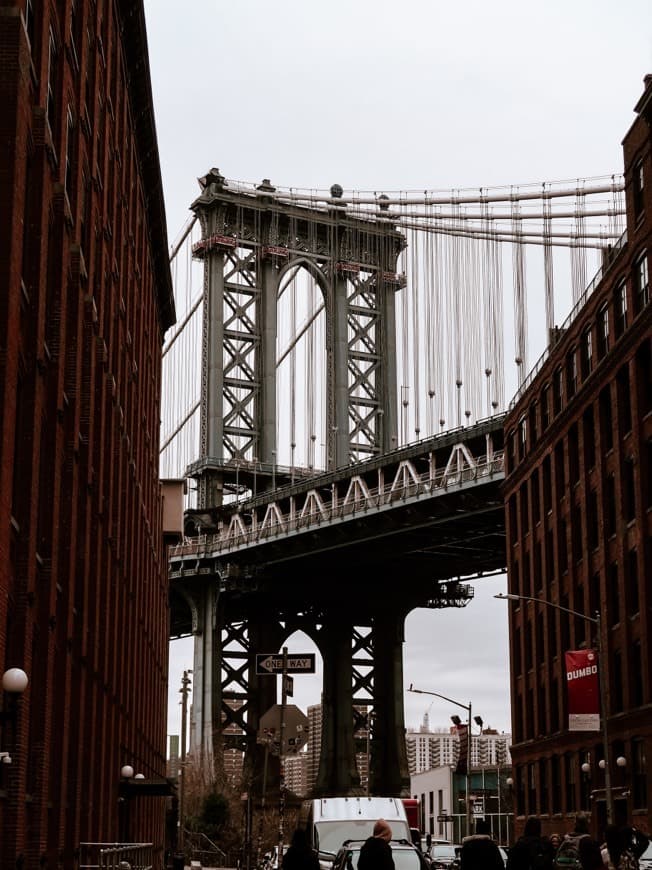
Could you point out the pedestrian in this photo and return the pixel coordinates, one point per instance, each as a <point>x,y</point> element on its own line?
<point>555,840</point>
<point>299,855</point>
<point>619,852</point>
<point>376,853</point>
<point>578,849</point>
<point>479,851</point>
<point>531,851</point>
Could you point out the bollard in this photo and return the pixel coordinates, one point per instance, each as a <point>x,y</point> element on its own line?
<point>178,861</point>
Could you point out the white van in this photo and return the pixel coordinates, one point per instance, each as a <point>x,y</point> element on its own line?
<point>331,821</point>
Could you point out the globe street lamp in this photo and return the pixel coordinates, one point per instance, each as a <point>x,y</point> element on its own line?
<point>466,707</point>
<point>510,596</point>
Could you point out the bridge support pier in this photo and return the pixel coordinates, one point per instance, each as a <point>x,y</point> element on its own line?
<point>388,773</point>
<point>337,771</point>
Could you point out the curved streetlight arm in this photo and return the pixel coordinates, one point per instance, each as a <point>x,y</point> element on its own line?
<point>467,778</point>
<point>510,596</point>
<point>466,707</point>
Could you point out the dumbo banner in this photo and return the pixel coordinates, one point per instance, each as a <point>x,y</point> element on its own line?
<point>583,690</point>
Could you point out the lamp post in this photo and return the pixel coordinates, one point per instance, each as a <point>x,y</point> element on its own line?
<point>466,707</point>
<point>595,620</point>
<point>14,683</point>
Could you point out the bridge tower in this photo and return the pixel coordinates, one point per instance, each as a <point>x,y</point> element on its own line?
<point>250,240</point>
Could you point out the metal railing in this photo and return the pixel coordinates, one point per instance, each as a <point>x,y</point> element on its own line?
<point>116,856</point>
<point>424,486</point>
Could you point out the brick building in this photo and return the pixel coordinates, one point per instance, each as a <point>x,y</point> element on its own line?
<point>579,517</point>
<point>85,300</point>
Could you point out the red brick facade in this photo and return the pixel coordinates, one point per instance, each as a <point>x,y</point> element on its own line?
<point>579,523</point>
<point>85,299</point>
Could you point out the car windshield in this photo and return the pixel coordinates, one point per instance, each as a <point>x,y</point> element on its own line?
<point>441,851</point>
<point>332,834</point>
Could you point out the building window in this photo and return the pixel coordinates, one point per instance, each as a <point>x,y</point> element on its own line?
<point>51,108</point>
<point>522,437</point>
<point>638,183</point>
<point>617,682</point>
<point>555,784</point>
<point>629,489</point>
<point>620,308</point>
<point>592,519</point>
<point>606,419</point>
<point>641,283</point>
<point>558,397</point>
<point>632,582</point>
<point>594,593</point>
<point>569,764</point>
<point>536,505</point>
<point>610,505</point>
<point>603,330</point>
<point>636,671</point>
<point>69,155</point>
<point>587,354</point>
<point>545,407</point>
<point>644,376</point>
<point>588,435</point>
<point>547,485</point>
<point>573,456</point>
<point>639,774</point>
<point>624,400</point>
<point>571,372</point>
<point>614,594</point>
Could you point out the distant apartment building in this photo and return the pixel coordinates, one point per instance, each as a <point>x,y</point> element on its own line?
<point>441,748</point>
<point>314,747</point>
<point>296,773</point>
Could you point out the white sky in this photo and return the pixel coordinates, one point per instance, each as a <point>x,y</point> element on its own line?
<point>387,96</point>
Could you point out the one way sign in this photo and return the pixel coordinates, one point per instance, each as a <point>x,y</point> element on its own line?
<point>272,663</point>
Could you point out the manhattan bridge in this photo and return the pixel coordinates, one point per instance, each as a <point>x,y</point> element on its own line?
<point>334,392</point>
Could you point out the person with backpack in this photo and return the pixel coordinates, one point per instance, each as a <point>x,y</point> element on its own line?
<point>578,850</point>
<point>479,851</point>
<point>531,851</point>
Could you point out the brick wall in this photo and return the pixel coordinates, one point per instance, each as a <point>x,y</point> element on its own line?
<point>83,590</point>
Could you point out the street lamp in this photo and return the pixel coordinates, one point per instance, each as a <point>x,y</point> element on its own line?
<point>14,683</point>
<point>466,707</point>
<point>510,596</point>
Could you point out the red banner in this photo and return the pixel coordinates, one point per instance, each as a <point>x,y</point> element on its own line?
<point>583,690</point>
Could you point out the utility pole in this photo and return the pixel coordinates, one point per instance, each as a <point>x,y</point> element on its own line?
<point>184,690</point>
<point>281,798</point>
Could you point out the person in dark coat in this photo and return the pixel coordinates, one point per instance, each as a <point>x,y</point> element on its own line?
<point>299,855</point>
<point>479,851</point>
<point>531,851</point>
<point>376,853</point>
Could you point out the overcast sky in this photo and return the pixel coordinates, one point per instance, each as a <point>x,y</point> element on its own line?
<point>376,95</point>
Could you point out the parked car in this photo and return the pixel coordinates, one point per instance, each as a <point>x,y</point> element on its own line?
<point>406,856</point>
<point>443,856</point>
<point>645,861</point>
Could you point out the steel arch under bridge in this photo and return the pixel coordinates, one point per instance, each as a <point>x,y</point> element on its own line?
<point>344,556</point>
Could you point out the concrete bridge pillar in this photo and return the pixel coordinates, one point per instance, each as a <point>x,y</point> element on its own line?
<point>337,771</point>
<point>389,774</point>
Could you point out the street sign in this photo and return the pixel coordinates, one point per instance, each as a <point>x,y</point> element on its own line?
<point>445,818</point>
<point>289,686</point>
<point>272,663</point>
<point>295,727</point>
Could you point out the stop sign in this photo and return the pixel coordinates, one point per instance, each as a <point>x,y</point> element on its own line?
<point>295,722</point>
